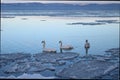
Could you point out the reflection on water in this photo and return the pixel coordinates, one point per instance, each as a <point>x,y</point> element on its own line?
<point>26,35</point>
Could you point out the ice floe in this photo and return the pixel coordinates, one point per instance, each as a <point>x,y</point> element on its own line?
<point>86,69</point>
<point>68,65</point>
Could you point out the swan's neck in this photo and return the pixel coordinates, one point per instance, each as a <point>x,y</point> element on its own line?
<point>61,44</point>
<point>43,45</point>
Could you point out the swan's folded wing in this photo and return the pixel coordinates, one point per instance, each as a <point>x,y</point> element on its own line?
<point>67,47</point>
<point>49,50</point>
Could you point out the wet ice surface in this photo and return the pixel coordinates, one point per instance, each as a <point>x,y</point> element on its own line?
<point>87,69</point>
<point>66,65</point>
<point>29,76</point>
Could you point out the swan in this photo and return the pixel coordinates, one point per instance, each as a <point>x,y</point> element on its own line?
<point>47,50</point>
<point>65,47</point>
<point>87,45</point>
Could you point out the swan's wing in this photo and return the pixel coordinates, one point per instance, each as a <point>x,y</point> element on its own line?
<point>49,49</point>
<point>67,46</point>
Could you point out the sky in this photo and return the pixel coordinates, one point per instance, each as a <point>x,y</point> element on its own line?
<point>68,2</point>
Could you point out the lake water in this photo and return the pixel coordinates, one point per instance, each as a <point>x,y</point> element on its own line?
<point>25,33</point>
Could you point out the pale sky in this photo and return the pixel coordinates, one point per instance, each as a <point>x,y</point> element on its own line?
<point>68,2</point>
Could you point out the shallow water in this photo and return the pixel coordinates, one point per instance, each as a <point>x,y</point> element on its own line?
<point>25,35</point>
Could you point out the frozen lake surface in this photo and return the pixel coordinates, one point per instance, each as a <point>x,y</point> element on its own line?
<point>25,33</point>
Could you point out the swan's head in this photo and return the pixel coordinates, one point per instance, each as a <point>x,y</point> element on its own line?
<point>42,41</point>
<point>86,40</point>
<point>60,41</point>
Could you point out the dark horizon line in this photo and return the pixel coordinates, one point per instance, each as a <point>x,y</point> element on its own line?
<point>70,0</point>
<point>55,3</point>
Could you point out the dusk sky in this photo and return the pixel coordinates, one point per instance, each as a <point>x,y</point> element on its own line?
<point>68,2</point>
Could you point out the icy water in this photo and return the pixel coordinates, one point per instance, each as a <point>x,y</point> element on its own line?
<point>25,33</point>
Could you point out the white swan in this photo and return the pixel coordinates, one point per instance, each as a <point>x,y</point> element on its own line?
<point>47,50</point>
<point>65,47</point>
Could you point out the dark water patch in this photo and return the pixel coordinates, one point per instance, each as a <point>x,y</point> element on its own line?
<point>107,21</point>
<point>7,16</point>
<point>24,18</point>
<point>42,20</point>
<point>97,22</point>
<point>82,23</point>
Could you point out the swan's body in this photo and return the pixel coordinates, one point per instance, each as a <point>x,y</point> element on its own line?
<point>47,50</point>
<point>87,45</point>
<point>65,47</point>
